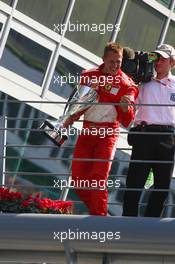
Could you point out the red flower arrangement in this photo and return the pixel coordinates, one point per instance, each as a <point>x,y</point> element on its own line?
<point>15,202</point>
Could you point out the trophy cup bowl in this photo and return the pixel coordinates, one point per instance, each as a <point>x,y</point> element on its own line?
<point>79,101</point>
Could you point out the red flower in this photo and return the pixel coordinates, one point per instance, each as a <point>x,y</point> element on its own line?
<point>25,203</point>
<point>6,194</point>
<point>14,202</point>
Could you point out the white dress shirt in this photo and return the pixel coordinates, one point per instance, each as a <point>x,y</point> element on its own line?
<point>157,92</point>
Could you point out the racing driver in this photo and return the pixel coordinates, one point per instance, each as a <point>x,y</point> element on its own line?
<point>119,92</point>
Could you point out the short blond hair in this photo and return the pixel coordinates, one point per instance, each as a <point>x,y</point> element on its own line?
<point>112,46</point>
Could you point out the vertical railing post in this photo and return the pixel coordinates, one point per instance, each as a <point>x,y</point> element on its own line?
<point>3,137</point>
<point>65,190</point>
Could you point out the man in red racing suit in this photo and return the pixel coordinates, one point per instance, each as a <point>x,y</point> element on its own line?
<point>112,86</point>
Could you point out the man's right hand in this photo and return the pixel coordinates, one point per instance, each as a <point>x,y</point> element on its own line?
<point>127,100</point>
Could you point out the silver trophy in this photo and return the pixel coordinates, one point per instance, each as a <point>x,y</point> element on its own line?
<point>54,129</point>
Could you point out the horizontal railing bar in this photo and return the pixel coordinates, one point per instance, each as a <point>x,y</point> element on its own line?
<point>24,118</point>
<point>48,146</point>
<point>49,174</point>
<point>81,103</point>
<point>34,118</point>
<point>78,133</point>
<point>143,204</point>
<point>89,188</point>
<point>83,159</point>
<point>36,173</point>
<point>34,146</point>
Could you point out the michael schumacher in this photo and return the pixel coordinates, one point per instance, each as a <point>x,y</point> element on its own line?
<point>113,86</point>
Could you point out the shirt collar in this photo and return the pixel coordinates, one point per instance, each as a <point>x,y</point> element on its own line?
<point>169,78</point>
<point>167,81</point>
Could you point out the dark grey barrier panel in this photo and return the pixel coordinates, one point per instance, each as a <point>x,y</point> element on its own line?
<point>35,232</point>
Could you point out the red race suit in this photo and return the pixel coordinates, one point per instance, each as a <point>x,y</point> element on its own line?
<point>99,143</point>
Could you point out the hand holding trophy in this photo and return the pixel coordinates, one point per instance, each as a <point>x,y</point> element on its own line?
<point>77,104</point>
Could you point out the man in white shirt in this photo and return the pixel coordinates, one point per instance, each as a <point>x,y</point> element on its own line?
<point>158,147</point>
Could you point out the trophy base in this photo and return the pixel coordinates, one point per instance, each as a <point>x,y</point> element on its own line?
<point>53,134</point>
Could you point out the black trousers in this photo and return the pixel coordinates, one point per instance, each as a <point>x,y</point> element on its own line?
<point>146,148</point>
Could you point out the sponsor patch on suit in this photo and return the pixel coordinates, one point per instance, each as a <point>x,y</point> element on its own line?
<point>114,90</point>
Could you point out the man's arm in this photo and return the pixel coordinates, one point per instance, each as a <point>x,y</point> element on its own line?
<point>126,112</point>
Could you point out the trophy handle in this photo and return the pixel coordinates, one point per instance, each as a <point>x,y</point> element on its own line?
<point>69,99</point>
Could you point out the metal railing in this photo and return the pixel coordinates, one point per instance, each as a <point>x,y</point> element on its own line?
<point>31,237</point>
<point>5,146</point>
